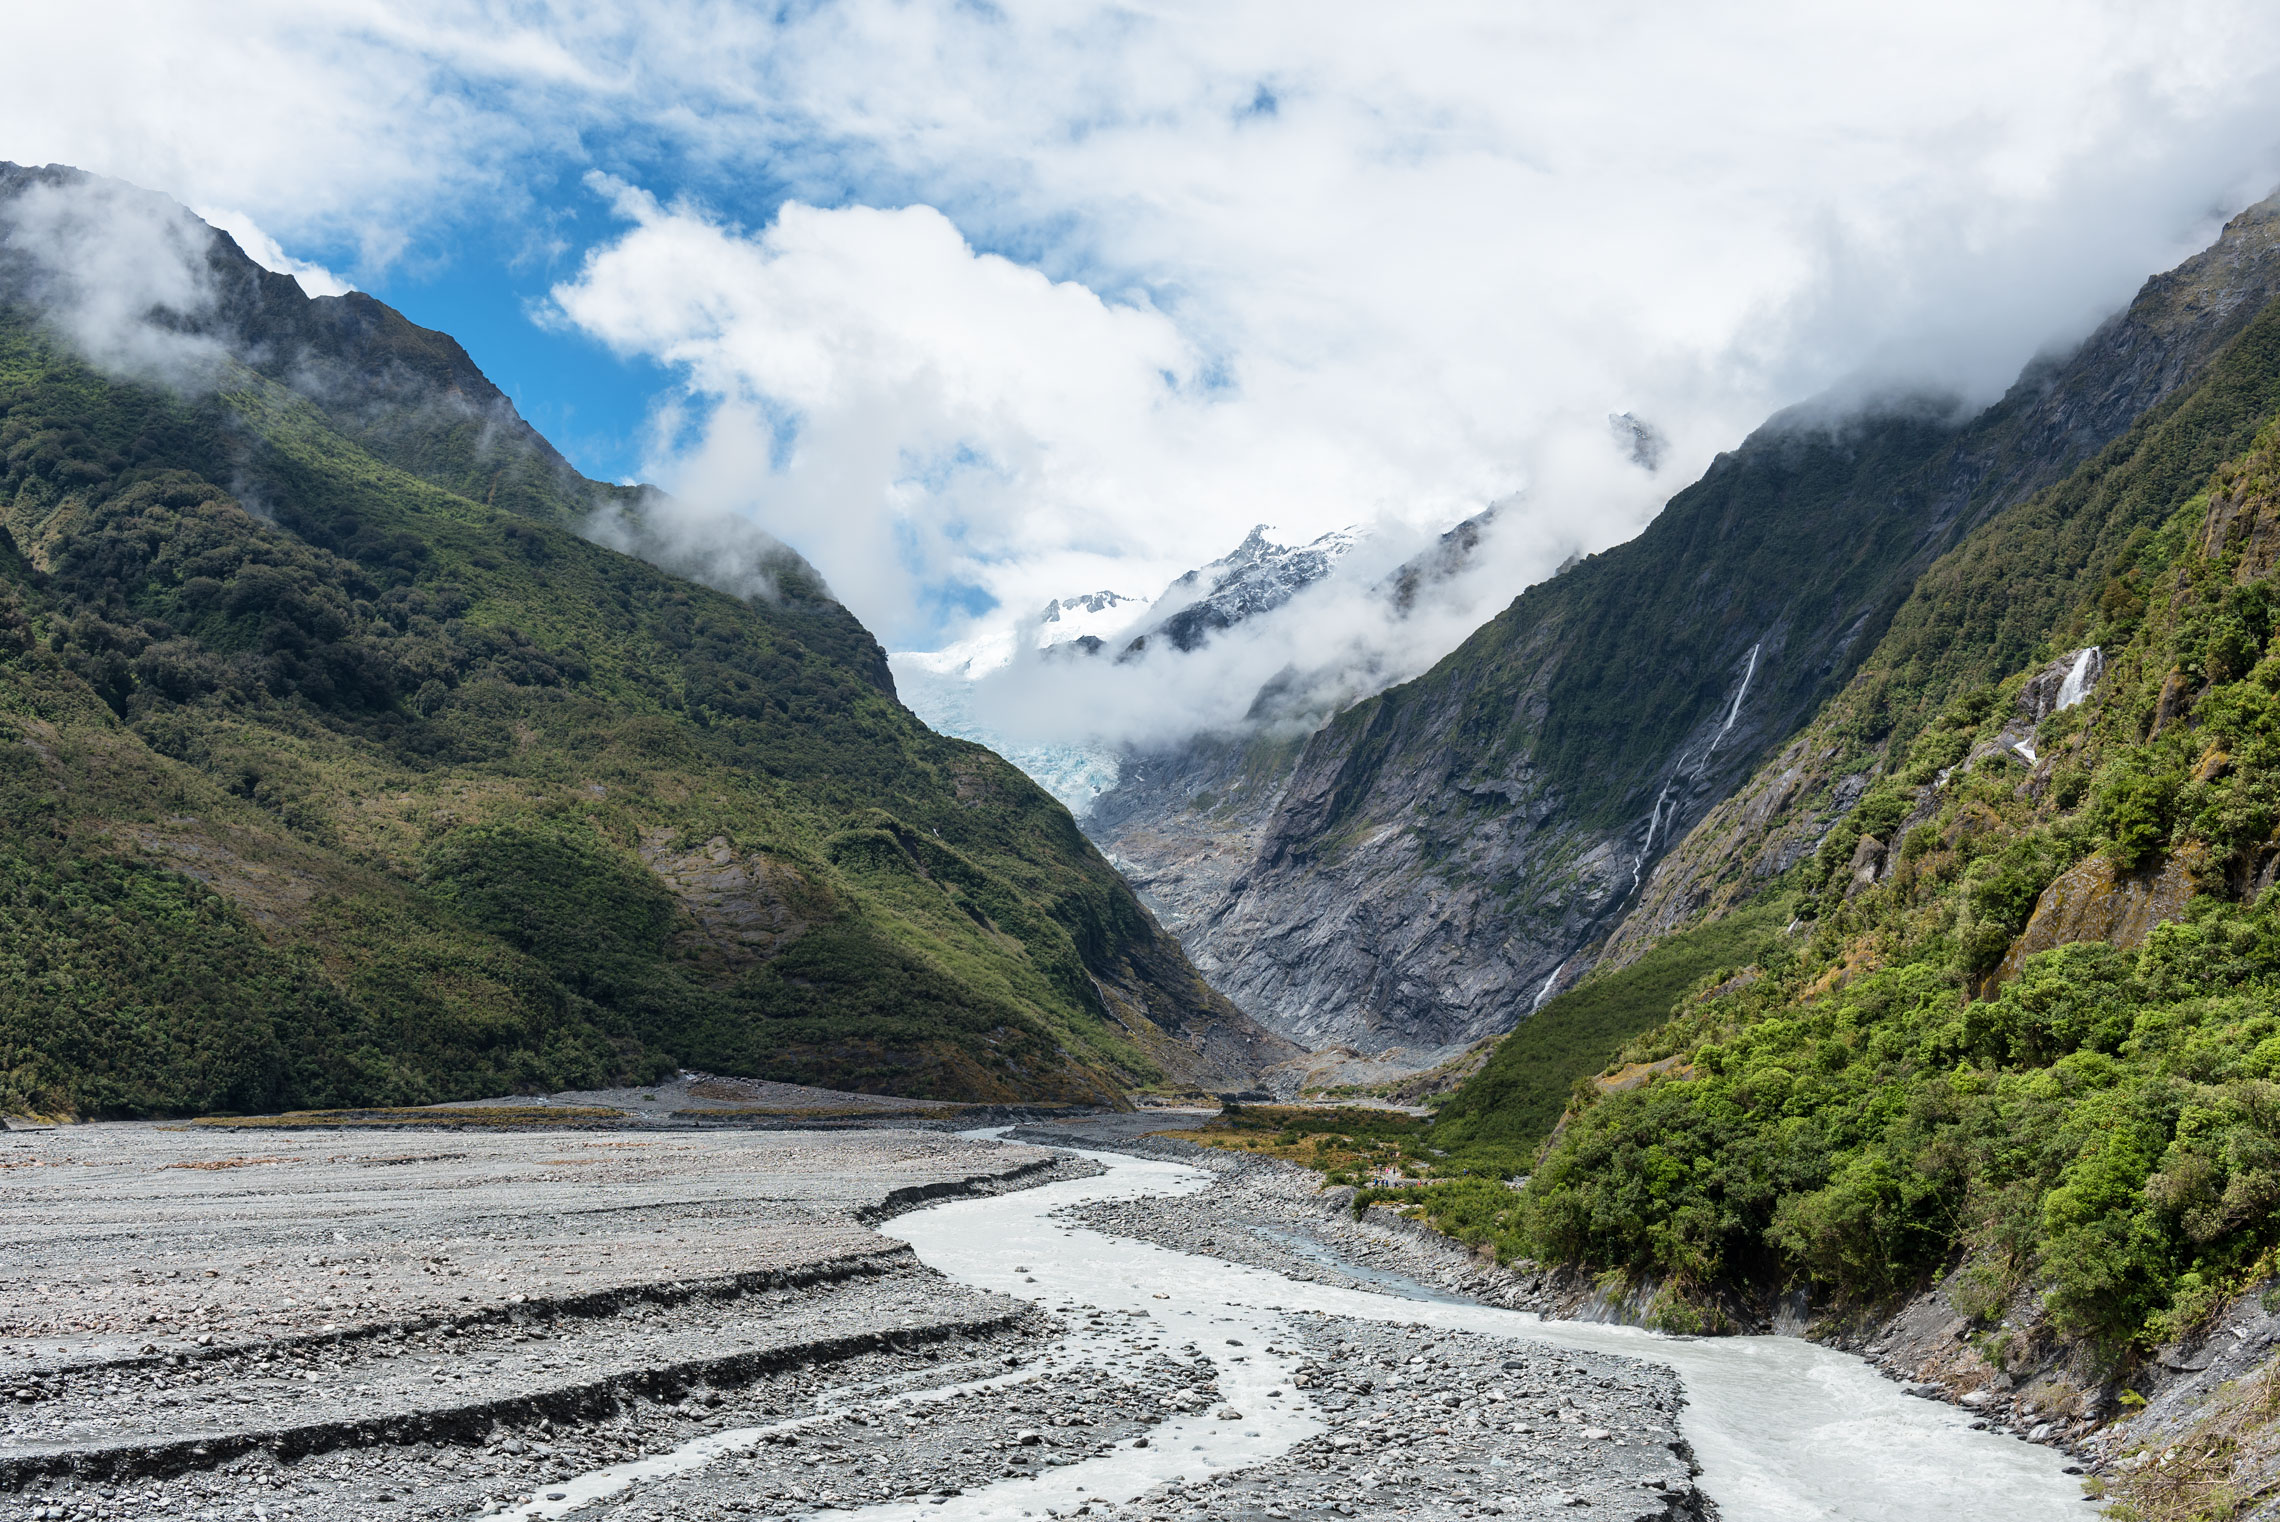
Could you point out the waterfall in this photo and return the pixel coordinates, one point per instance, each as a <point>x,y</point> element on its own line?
<point>2087,667</point>
<point>1654,823</point>
<point>1546,991</point>
<point>1685,773</point>
<point>1740,693</point>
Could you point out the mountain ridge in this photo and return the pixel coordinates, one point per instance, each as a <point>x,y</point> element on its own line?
<point>330,781</point>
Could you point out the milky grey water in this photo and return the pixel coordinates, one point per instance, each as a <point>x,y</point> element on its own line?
<point>1785,1429</point>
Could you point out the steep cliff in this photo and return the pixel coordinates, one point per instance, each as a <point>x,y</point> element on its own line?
<point>1441,853</point>
<point>2040,574</point>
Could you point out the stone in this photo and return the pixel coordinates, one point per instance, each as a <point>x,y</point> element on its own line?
<point>2091,901</point>
<point>2176,699</point>
<point>1867,864</point>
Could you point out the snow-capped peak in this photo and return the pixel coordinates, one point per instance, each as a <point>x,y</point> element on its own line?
<point>1255,576</point>
<point>1061,621</point>
<point>1098,614</point>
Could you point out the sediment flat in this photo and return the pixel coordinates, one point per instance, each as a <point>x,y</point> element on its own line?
<point>322,1325</point>
<point>180,1305</point>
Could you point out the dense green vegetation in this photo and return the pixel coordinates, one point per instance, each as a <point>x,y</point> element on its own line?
<point>1519,1093</point>
<point>325,784</point>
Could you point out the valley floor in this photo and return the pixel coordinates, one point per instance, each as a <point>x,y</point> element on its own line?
<point>318,1326</point>
<point>645,1325</point>
<point>689,1322</point>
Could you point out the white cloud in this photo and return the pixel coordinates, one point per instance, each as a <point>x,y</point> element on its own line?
<point>919,416</point>
<point>1395,261</point>
<point>119,271</point>
<point>262,249</point>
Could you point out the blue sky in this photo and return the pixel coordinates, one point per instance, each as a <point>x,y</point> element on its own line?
<point>591,402</point>
<point>982,304</point>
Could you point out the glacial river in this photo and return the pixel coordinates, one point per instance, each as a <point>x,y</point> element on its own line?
<point>1784,1429</point>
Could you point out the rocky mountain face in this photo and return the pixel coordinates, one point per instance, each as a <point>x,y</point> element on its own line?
<point>345,758</point>
<point>1985,609</point>
<point>1184,820</point>
<point>1255,577</point>
<point>1087,617</point>
<point>1439,858</point>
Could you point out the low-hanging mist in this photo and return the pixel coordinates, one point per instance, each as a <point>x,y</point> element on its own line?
<point>121,274</point>
<point>1280,650</point>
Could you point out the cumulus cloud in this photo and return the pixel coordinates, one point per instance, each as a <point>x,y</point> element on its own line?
<point>930,423</point>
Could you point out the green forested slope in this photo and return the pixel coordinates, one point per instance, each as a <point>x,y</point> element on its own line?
<point>1519,1094</point>
<point>326,784</point>
<point>2031,1013</point>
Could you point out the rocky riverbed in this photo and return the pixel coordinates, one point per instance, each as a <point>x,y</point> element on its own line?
<point>708,1326</point>
<point>1270,1215</point>
<point>1430,1423</point>
<point>201,1323</point>
<point>335,1325</point>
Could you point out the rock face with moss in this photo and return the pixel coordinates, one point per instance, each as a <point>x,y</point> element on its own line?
<point>338,765</point>
<point>1439,855</point>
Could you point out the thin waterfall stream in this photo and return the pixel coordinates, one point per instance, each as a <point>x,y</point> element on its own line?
<point>1684,774</point>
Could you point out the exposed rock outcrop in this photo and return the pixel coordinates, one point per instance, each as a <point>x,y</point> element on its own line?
<point>743,906</point>
<point>2091,901</point>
